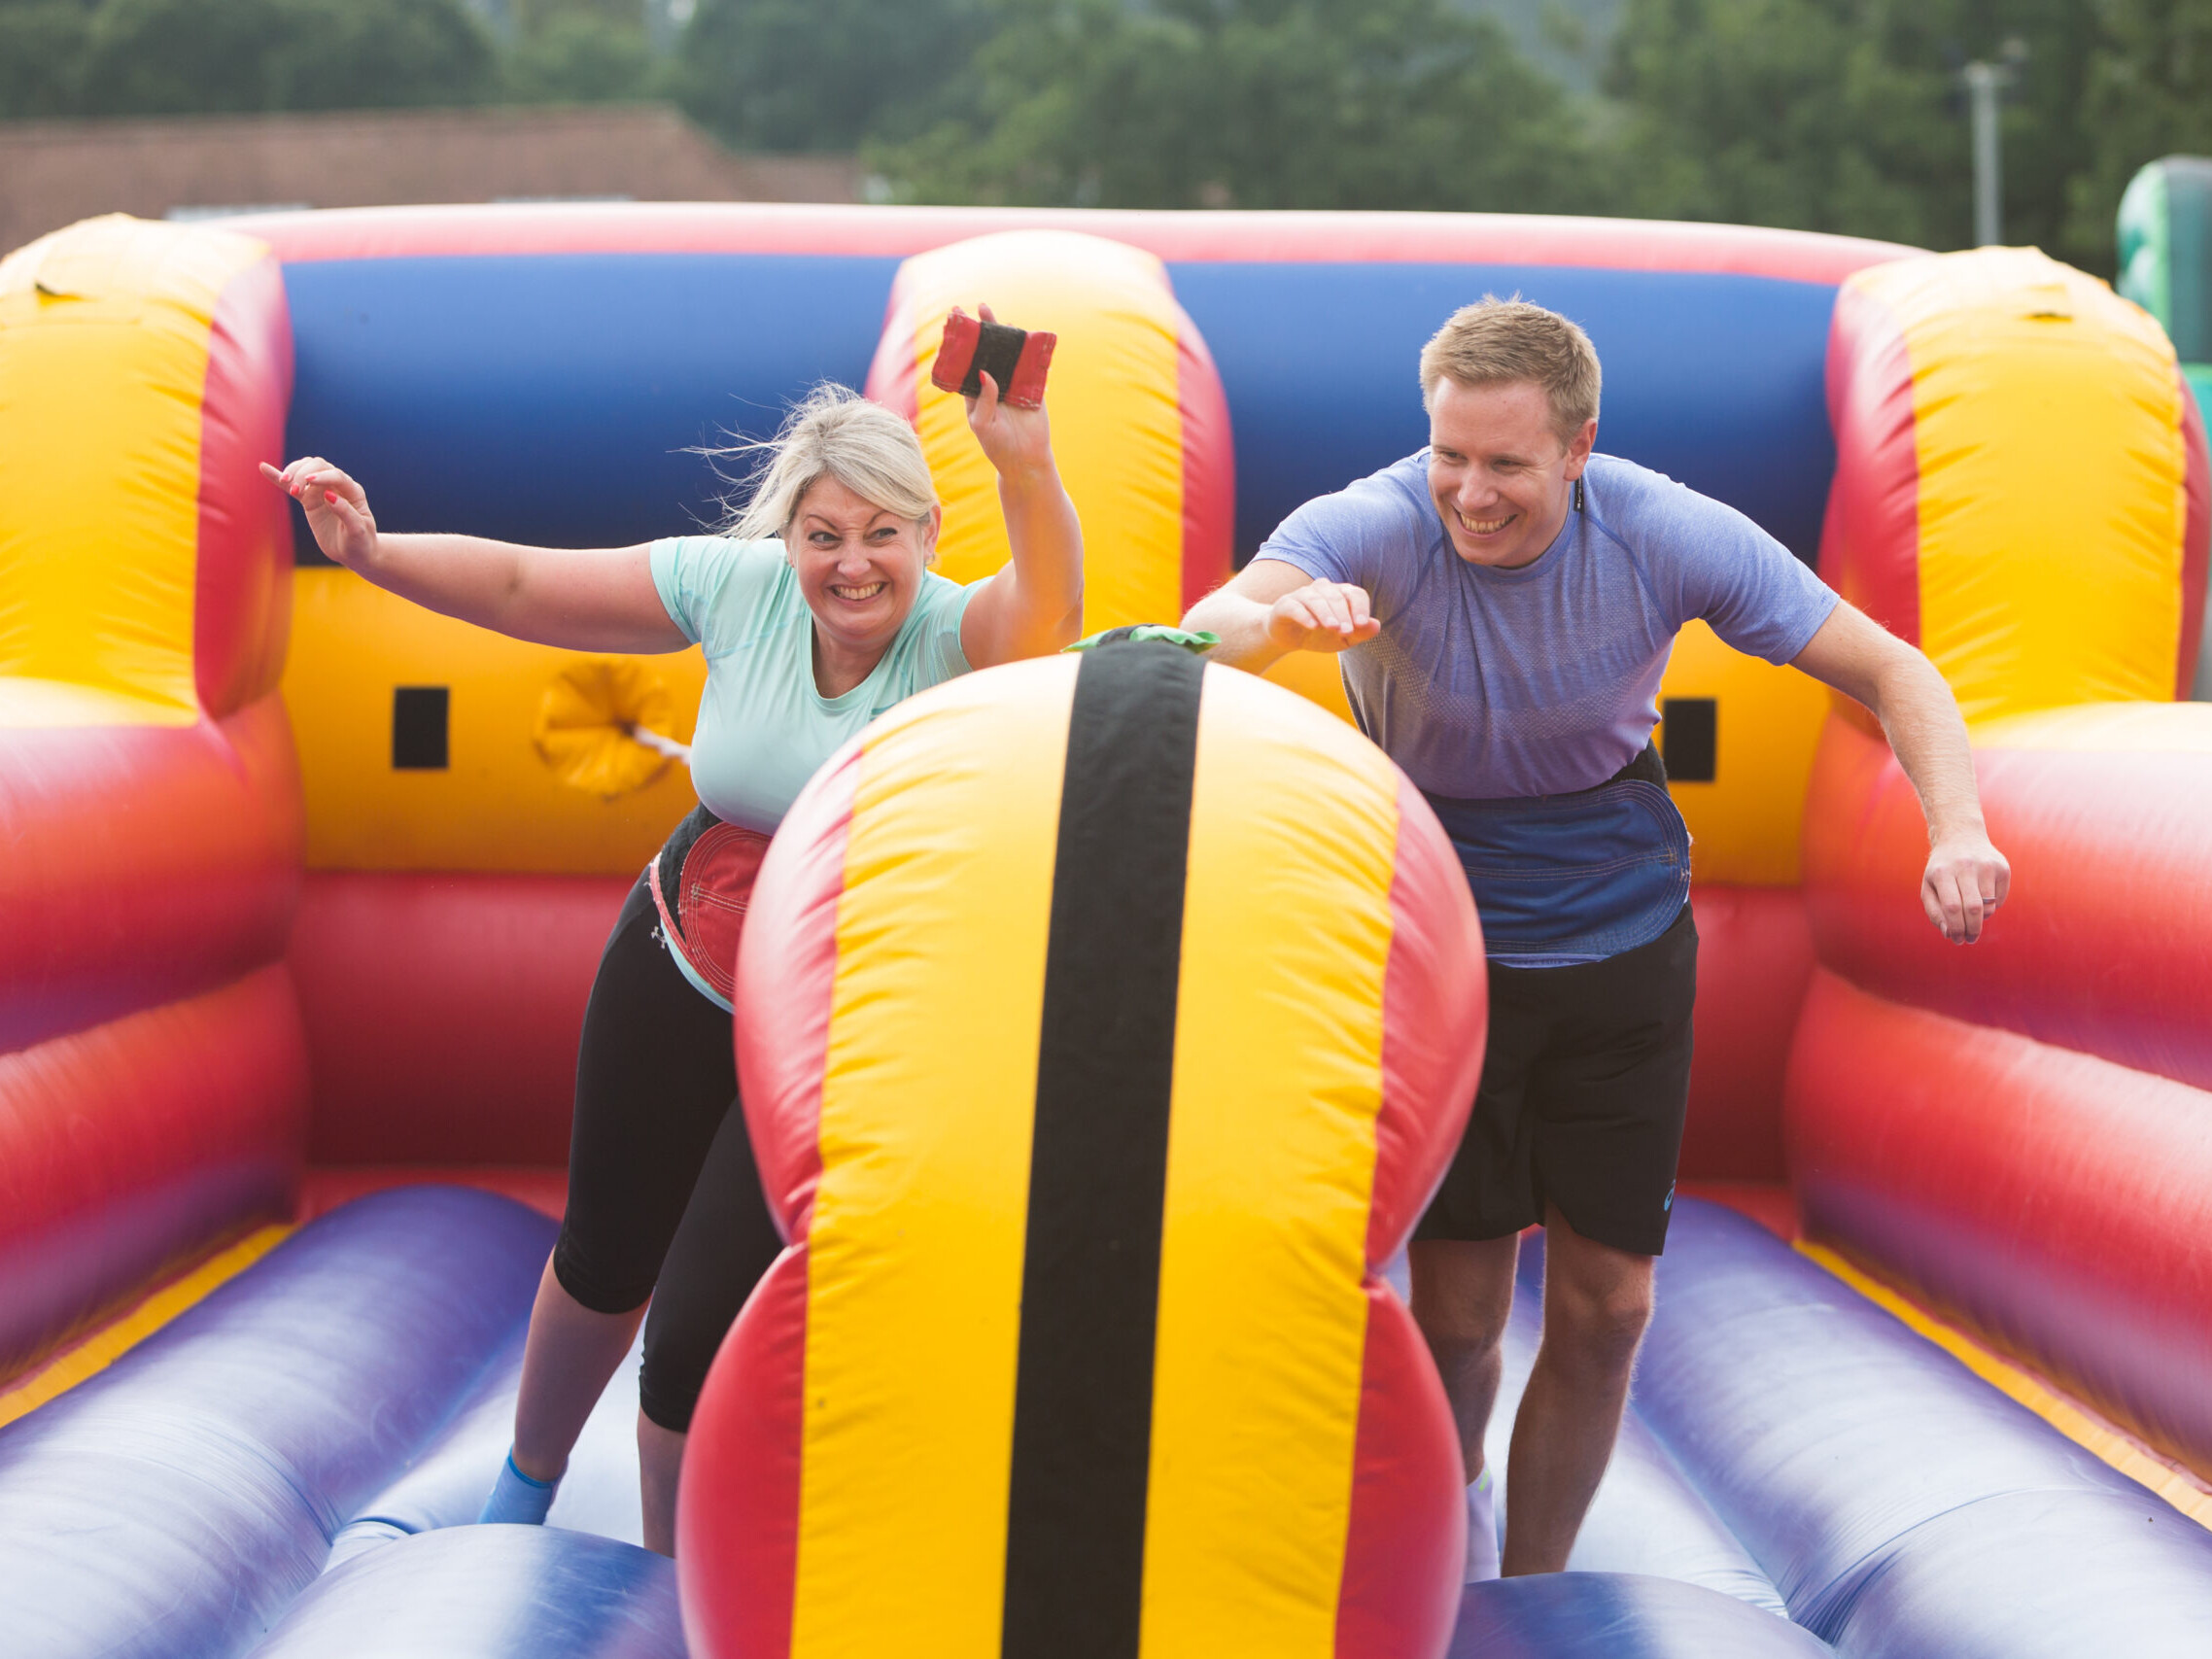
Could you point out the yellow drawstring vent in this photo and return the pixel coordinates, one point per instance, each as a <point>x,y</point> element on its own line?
<point>602,727</point>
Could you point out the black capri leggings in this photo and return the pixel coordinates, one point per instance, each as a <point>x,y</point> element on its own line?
<point>662,1186</point>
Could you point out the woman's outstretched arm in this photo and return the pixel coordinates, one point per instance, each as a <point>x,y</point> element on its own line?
<point>597,601</point>
<point>1034,605</point>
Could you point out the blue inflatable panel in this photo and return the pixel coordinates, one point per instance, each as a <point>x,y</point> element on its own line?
<point>175,1504</point>
<point>489,1593</point>
<point>1619,1615</point>
<point>1716,380</point>
<point>552,398</point>
<point>1905,1508</point>
<point>1646,1518</point>
<point>445,1486</point>
<point>556,399</point>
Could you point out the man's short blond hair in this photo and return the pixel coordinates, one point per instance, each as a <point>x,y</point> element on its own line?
<point>1495,342</point>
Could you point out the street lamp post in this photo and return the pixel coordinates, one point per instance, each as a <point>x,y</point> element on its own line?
<point>1984,83</point>
<point>1986,86</point>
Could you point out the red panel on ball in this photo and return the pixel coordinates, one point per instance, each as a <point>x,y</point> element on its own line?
<point>784,986</point>
<point>1407,1539</point>
<point>747,1431</point>
<point>1436,1014</point>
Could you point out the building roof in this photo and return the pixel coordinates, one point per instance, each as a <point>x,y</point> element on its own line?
<point>55,172</point>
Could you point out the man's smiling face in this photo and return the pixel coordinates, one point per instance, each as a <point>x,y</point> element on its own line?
<point>1497,470</point>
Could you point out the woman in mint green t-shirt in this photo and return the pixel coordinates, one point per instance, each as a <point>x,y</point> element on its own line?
<point>816,613</point>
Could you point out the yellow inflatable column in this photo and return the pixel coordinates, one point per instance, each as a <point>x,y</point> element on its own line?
<point>1139,422</point>
<point>2013,480</point>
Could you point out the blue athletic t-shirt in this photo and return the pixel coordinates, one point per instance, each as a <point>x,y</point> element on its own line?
<point>1488,683</point>
<point>764,726</point>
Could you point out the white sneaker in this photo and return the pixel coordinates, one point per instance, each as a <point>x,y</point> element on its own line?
<point>1482,1558</point>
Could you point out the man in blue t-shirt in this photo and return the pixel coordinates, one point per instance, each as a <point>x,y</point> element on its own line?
<point>1505,600</point>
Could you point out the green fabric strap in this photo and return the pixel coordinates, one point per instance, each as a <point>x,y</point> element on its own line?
<point>1146,633</point>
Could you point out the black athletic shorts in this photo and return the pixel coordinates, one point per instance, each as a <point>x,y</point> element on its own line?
<point>661,1187</point>
<point>1584,1087</point>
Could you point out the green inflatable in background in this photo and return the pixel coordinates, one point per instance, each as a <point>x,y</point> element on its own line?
<point>2165,266</point>
<point>2166,257</point>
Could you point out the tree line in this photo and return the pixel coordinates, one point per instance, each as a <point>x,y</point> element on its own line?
<point>1826,115</point>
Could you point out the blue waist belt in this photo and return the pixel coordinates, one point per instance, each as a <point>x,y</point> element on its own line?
<point>1566,878</point>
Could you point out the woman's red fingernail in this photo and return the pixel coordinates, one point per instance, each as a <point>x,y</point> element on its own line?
<point>330,496</point>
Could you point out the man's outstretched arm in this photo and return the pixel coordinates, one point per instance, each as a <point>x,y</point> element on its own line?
<point>1966,878</point>
<point>1271,608</point>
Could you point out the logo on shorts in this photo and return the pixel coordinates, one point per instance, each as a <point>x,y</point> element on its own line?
<point>1669,1205</point>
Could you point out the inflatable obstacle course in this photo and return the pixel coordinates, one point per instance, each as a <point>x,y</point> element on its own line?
<point>343,919</point>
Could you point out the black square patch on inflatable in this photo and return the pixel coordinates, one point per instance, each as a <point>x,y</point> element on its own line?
<point>1689,739</point>
<point>418,728</point>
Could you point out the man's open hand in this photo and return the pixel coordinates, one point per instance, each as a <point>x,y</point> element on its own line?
<point>1322,616</point>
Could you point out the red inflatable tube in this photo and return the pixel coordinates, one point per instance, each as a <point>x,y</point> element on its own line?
<point>1870,545</point>
<point>2106,943</point>
<point>2195,544</point>
<point>442,1011</point>
<point>2057,1204</point>
<point>1209,467</point>
<point>780,227</point>
<point>242,597</point>
<point>1754,959</point>
<point>144,863</point>
<point>123,1147</point>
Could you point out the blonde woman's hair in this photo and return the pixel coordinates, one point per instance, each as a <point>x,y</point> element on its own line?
<point>1497,341</point>
<point>832,433</point>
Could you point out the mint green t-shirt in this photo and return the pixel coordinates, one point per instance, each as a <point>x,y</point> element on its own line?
<point>764,727</point>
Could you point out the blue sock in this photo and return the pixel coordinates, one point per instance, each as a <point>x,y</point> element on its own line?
<point>517,1498</point>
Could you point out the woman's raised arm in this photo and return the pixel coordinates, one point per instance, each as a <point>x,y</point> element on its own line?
<point>1034,605</point>
<point>602,600</point>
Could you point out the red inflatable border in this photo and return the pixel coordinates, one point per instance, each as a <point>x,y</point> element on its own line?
<point>782,227</point>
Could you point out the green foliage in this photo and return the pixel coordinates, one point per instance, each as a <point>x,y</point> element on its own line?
<point>1831,115</point>
<point>42,53</point>
<point>1253,103</point>
<point>579,51</point>
<point>193,56</point>
<point>1841,115</point>
<point>2148,94</point>
<point>825,75</point>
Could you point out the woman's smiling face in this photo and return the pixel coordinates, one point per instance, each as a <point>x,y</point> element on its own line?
<point>859,565</point>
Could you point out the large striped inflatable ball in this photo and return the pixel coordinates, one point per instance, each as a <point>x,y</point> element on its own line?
<point>1104,1024</point>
